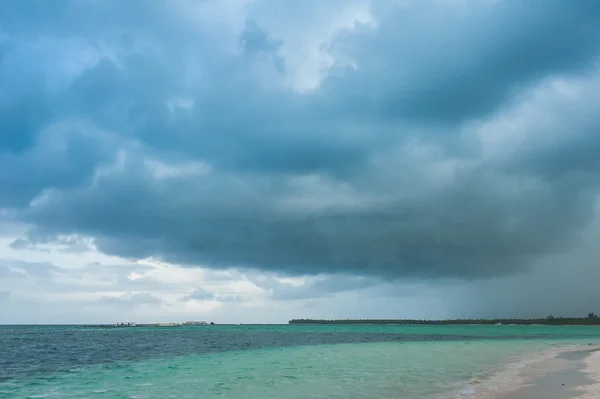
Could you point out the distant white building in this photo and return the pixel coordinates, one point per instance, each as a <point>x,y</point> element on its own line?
<point>195,323</point>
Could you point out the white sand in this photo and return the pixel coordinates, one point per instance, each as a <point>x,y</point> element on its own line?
<point>592,369</point>
<point>523,377</point>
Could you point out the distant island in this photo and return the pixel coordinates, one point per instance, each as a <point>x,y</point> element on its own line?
<point>591,319</point>
<point>134,324</point>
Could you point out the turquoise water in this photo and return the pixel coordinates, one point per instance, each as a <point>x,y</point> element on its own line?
<point>279,362</point>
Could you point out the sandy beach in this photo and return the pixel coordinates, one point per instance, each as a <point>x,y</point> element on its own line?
<point>592,371</point>
<point>558,373</point>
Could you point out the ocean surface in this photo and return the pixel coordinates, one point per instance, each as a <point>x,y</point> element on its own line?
<point>287,361</point>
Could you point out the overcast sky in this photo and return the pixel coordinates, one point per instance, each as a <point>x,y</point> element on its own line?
<point>261,160</point>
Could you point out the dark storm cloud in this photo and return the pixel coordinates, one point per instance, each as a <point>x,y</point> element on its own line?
<point>159,135</point>
<point>461,64</point>
<point>563,284</point>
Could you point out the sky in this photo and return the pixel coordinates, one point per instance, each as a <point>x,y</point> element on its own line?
<point>253,161</point>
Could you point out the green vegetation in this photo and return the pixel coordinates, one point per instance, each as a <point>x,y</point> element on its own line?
<point>591,319</point>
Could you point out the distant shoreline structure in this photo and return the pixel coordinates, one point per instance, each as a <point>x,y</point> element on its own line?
<point>591,320</point>
<point>131,324</point>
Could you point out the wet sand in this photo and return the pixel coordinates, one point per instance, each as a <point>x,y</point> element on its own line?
<point>592,371</point>
<point>557,373</point>
<point>568,382</point>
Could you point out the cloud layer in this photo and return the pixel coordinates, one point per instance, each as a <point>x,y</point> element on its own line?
<point>392,139</point>
<point>148,291</point>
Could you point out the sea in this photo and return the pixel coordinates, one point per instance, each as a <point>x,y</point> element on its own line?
<point>267,361</point>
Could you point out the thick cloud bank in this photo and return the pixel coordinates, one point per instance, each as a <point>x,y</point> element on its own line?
<point>384,138</point>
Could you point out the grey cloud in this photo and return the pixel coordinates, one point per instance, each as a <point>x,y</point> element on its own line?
<point>314,288</point>
<point>101,268</point>
<point>63,244</point>
<point>20,243</point>
<point>122,277</point>
<point>33,269</point>
<point>131,300</point>
<point>230,298</point>
<point>300,183</point>
<point>4,296</point>
<point>199,294</point>
<point>39,278</point>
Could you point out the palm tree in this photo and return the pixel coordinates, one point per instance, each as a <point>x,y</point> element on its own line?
<point>592,315</point>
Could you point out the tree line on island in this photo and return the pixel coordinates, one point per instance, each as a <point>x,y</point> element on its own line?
<point>591,319</point>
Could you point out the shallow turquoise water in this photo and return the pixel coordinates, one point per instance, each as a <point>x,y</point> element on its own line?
<point>280,362</point>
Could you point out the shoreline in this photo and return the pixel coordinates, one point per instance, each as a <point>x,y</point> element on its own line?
<point>592,371</point>
<point>569,372</point>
